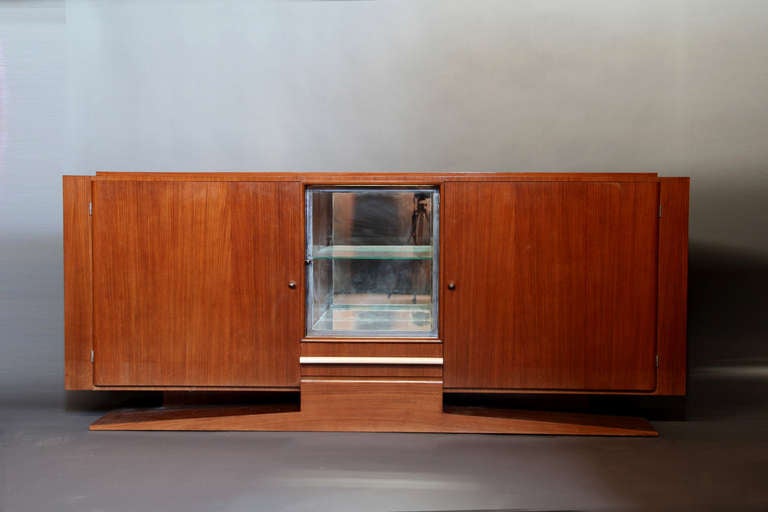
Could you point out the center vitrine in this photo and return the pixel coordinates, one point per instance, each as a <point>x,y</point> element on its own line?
<point>372,259</point>
<point>375,295</point>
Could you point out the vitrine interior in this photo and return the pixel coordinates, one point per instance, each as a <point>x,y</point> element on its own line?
<point>372,261</point>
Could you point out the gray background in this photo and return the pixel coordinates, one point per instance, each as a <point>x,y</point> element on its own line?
<point>678,87</point>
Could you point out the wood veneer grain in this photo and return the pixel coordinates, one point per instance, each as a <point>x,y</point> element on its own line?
<point>383,178</point>
<point>621,293</point>
<point>554,285</point>
<point>191,283</point>
<point>372,405</point>
<point>673,285</point>
<point>370,370</point>
<point>372,349</point>
<point>78,299</point>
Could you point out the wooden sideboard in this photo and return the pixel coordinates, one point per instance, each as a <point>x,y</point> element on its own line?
<point>541,283</point>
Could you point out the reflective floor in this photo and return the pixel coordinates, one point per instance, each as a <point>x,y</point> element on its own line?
<point>715,460</point>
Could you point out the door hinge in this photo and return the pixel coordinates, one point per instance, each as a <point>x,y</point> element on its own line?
<point>657,360</point>
<point>91,356</point>
<point>661,209</point>
<point>90,208</point>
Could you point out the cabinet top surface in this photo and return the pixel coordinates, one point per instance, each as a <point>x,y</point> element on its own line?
<point>373,178</point>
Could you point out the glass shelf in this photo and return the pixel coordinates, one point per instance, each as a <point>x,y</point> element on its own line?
<point>391,318</point>
<point>374,252</point>
<point>372,261</point>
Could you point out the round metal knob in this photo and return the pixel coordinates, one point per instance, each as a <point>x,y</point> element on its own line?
<point>451,285</point>
<point>291,284</point>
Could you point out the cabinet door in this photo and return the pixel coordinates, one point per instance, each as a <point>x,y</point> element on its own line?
<point>555,285</point>
<point>191,283</point>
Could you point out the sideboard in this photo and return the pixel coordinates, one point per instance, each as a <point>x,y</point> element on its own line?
<point>375,295</point>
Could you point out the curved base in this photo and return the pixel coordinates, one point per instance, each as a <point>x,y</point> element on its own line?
<point>367,405</point>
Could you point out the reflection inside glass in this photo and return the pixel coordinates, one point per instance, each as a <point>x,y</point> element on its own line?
<point>372,255</point>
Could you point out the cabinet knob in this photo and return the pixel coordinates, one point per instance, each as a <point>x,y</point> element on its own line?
<point>451,285</point>
<point>291,284</point>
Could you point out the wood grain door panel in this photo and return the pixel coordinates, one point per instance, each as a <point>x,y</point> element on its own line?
<point>191,283</point>
<point>555,285</point>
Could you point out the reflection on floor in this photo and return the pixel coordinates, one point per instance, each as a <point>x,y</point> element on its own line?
<point>716,460</point>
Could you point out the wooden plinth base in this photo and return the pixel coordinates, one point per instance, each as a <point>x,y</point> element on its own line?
<point>373,406</point>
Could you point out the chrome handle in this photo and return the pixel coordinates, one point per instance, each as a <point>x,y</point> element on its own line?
<point>291,284</point>
<point>451,285</point>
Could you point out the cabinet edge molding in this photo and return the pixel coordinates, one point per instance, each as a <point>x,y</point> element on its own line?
<point>78,283</point>
<point>672,286</point>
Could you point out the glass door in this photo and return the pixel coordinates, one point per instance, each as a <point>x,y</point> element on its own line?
<point>372,261</point>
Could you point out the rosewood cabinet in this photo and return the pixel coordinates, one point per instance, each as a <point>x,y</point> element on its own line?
<point>374,295</point>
